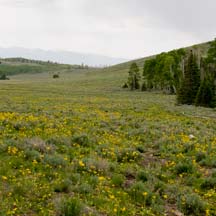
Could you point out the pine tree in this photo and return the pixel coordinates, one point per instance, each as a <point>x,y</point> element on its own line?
<point>191,82</point>
<point>134,77</point>
<point>206,94</point>
<point>144,87</point>
<point>211,58</point>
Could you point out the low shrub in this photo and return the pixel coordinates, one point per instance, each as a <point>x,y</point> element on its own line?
<point>209,183</point>
<point>55,76</point>
<point>117,180</point>
<point>54,160</point>
<point>142,176</point>
<point>191,204</point>
<point>63,186</point>
<point>125,85</point>
<point>84,188</point>
<point>139,193</point>
<point>127,155</point>
<point>70,207</point>
<point>208,162</point>
<point>140,148</point>
<point>82,140</point>
<point>3,77</point>
<point>32,155</point>
<point>200,156</point>
<point>184,167</point>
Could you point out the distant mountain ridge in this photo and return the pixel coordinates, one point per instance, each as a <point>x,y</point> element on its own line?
<point>64,57</point>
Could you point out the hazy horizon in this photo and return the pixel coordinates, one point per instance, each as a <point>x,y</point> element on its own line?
<point>60,56</point>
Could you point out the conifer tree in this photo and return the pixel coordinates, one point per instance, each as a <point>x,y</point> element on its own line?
<point>134,77</point>
<point>191,82</point>
<point>206,94</point>
<point>211,58</point>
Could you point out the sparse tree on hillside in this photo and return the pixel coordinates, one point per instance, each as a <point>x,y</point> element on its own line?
<point>134,77</point>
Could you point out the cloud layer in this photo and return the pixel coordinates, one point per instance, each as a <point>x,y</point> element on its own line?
<point>123,28</point>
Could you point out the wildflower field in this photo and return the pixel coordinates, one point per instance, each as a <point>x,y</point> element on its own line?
<point>81,145</point>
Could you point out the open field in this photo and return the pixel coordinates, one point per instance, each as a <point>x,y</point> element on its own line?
<point>80,145</point>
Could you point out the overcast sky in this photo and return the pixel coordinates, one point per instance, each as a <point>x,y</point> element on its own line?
<point>118,28</point>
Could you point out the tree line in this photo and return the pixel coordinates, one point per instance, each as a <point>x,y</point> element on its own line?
<point>184,73</point>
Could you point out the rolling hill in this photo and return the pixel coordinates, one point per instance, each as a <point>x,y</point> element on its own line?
<point>124,67</point>
<point>12,66</point>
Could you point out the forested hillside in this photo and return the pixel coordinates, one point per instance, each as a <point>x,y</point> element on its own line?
<point>13,66</point>
<point>188,72</point>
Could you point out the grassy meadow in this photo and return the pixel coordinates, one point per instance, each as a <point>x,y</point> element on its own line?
<point>81,145</point>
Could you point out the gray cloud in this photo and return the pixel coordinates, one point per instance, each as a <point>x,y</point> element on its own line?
<point>196,16</point>
<point>124,28</point>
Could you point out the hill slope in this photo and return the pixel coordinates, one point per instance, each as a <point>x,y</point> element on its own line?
<point>14,66</point>
<point>124,67</point>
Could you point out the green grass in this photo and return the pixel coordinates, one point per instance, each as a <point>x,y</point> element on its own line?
<point>80,145</point>
<point>17,66</point>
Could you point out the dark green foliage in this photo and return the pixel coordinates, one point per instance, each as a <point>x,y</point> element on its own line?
<point>171,73</point>
<point>212,53</point>
<point>134,77</point>
<point>164,71</point>
<point>191,81</point>
<point>4,77</point>
<point>20,69</point>
<point>28,61</point>
<point>149,72</point>
<point>206,94</point>
<point>200,156</point>
<point>55,76</point>
<point>140,148</point>
<point>14,66</point>
<point>142,176</point>
<point>192,91</point>
<point>125,85</point>
<point>118,179</point>
<point>185,167</point>
<point>144,87</point>
<point>209,183</point>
